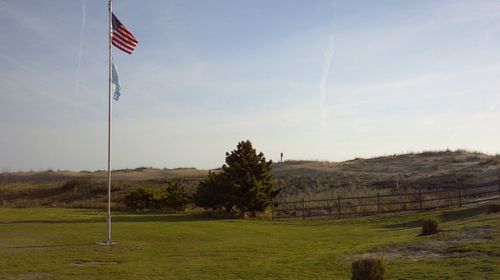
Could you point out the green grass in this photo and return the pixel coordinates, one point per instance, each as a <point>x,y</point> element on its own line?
<point>61,244</point>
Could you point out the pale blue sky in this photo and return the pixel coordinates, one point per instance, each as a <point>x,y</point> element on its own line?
<point>326,80</point>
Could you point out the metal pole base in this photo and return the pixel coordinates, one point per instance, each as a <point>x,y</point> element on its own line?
<point>108,242</point>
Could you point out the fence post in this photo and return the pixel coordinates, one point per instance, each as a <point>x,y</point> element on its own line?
<point>378,204</point>
<point>272,209</point>
<point>303,209</point>
<point>331,207</point>
<point>498,178</point>
<point>420,197</point>
<point>339,207</point>
<point>460,194</point>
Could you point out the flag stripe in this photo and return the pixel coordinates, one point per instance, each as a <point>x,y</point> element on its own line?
<point>116,40</point>
<point>122,48</point>
<point>123,30</point>
<point>124,42</point>
<point>124,35</point>
<point>121,37</point>
<point>119,44</point>
<point>124,39</point>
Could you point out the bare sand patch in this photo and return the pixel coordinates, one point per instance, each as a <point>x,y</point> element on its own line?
<point>444,245</point>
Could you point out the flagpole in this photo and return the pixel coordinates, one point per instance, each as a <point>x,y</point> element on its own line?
<point>108,241</point>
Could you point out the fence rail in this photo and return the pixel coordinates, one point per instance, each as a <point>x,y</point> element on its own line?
<point>342,207</point>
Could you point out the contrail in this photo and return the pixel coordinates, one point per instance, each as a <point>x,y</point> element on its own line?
<point>80,49</point>
<point>328,56</point>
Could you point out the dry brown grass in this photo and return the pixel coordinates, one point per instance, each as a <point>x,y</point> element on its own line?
<point>384,175</point>
<point>429,170</point>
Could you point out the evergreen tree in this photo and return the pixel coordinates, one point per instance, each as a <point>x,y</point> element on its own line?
<point>249,176</point>
<point>215,192</point>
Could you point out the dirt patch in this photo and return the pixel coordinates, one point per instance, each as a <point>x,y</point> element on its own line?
<point>445,245</point>
<point>478,234</point>
<point>91,263</point>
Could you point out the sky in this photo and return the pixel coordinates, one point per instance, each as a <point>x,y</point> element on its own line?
<point>315,80</point>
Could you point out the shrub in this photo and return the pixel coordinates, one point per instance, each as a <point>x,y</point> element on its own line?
<point>215,192</point>
<point>172,197</point>
<point>144,199</point>
<point>429,226</point>
<point>175,197</point>
<point>494,208</point>
<point>368,269</point>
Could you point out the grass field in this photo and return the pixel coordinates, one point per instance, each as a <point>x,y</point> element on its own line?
<point>55,243</point>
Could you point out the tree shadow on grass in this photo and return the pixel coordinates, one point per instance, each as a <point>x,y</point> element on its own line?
<point>72,221</point>
<point>50,246</point>
<point>144,218</point>
<point>449,216</point>
<point>406,225</point>
<point>463,214</point>
<point>123,218</point>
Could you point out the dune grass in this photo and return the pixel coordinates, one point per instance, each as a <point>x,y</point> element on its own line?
<point>61,244</point>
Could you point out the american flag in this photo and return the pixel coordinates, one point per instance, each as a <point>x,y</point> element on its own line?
<point>121,37</point>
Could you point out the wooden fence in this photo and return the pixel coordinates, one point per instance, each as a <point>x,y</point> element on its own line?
<point>379,204</point>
